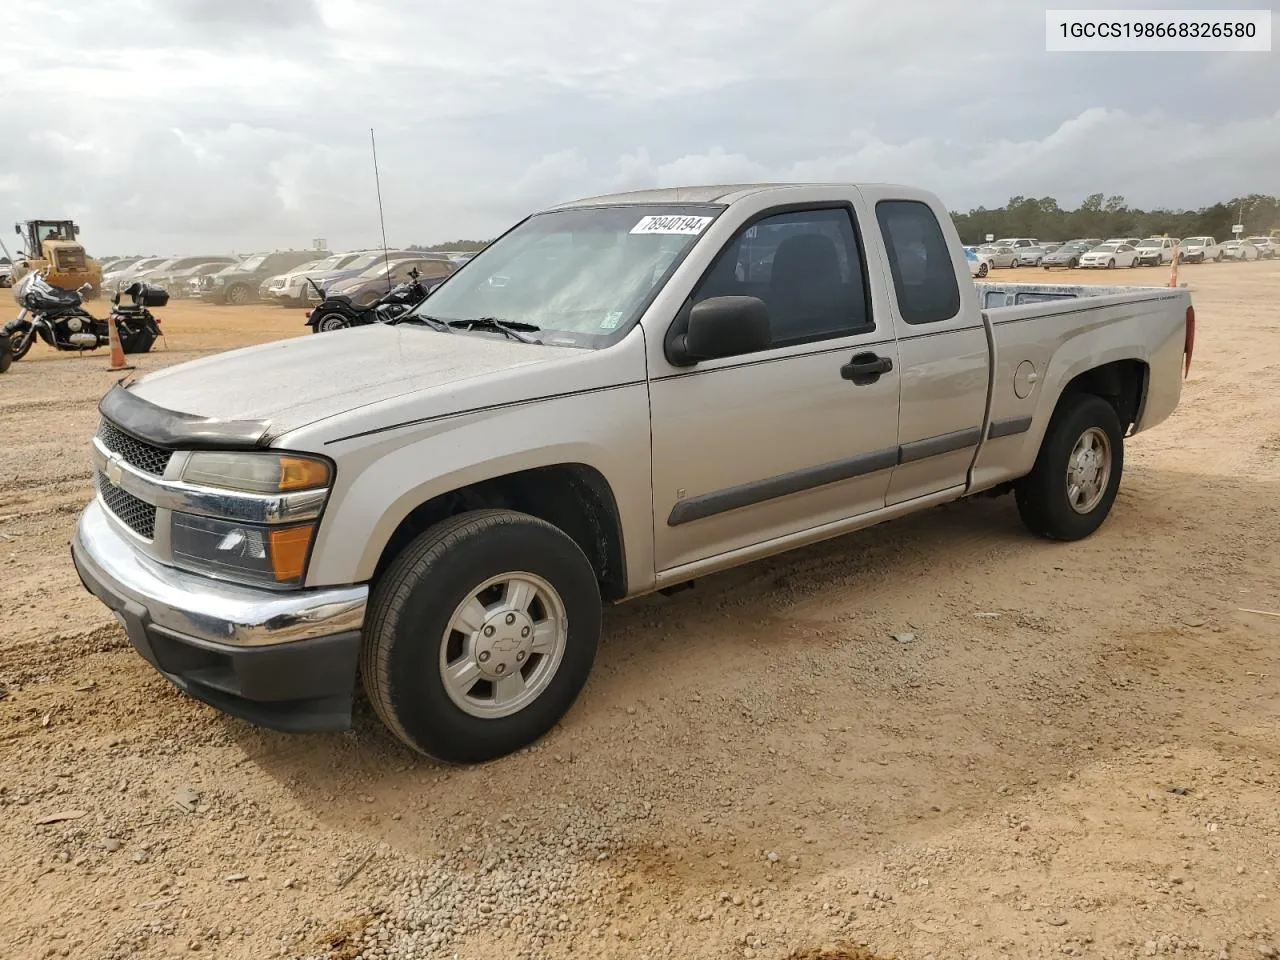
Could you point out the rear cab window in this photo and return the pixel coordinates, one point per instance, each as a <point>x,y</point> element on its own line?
<point>924,276</point>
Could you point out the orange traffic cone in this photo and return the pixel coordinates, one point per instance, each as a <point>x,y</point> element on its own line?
<point>117,351</point>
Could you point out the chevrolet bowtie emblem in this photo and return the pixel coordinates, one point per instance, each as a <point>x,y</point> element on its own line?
<point>114,469</point>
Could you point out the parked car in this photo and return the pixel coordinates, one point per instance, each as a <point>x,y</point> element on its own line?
<point>1154,251</point>
<point>1110,255</point>
<point>441,506</point>
<point>354,268</point>
<point>117,264</point>
<point>119,279</point>
<point>1268,248</point>
<point>1068,255</point>
<point>239,283</point>
<point>1030,256</point>
<point>291,288</point>
<point>979,264</point>
<point>1017,242</point>
<point>1240,250</point>
<point>174,274</point>
<point>378,280</point>
<point>999,255</point>
<point>1199,249</point>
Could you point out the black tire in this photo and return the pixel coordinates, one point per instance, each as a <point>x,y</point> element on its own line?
<point>6,354</point>
<point>20,342</point>
<point>1042,495</point>
<point>237,295</point>
<point>1073,263</point>
<point>1014,265</point>
<point>983,269</point>
<point>411,610</point>
<point>1111,264</point>
<point>329,321</point>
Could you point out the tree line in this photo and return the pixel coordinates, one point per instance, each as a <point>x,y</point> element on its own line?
<point>1102,216</point>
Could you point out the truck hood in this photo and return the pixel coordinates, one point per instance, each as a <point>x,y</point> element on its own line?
<point>292,383</point>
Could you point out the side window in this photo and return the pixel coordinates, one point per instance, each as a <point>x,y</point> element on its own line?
<point>923,276</point>
<point>430,269</point>
<point>806,266</point>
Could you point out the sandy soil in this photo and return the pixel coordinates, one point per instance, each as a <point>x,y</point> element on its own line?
<point>1078,755</point>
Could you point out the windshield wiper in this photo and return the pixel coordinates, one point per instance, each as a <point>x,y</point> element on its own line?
<point>509,328</point>
<point>435,323</point>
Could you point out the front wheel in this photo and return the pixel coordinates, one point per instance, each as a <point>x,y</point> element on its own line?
<point>481,636</point>
<point>982,269</point>
<point>1073,484</point>
<point>237,295</point>
<point>1111,264</point>
<point>20,342</point>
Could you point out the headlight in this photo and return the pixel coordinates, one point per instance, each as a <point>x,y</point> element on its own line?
<point>265,473</point>
<point>267,554</point>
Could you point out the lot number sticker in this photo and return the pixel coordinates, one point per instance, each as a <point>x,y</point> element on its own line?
<point>686,226</point>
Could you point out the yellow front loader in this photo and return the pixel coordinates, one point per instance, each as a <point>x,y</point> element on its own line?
<point>53,244</point>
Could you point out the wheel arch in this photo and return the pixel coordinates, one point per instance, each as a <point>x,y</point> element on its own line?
<point>573,497</point>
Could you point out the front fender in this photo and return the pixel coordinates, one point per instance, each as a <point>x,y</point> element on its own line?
<point>382,478</point>
<point>17,325</point>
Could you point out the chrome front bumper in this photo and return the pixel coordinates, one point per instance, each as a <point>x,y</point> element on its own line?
<point>285,660</point>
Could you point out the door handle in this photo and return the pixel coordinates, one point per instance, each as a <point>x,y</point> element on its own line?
<point>865,368</point>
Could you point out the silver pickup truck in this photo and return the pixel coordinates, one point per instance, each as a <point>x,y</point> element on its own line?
<point>615,397</point>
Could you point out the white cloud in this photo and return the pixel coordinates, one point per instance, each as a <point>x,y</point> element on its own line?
<point>237,125</point>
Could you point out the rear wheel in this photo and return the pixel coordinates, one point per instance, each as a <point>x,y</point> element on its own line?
<point>1111,264</point>
<point>237,295</point>
<point>481,635</point>
<point>1071,488</point>
<point>982,269</point>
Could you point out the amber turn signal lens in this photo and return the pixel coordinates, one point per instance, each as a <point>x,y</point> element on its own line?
<point>298,473</point>
<point>289,547</point>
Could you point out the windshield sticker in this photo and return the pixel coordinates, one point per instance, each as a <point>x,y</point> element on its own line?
<point>611,320</point>
<point>684,226</point>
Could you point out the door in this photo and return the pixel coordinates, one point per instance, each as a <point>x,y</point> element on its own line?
<point>942,347</point>
<point>804,432</point>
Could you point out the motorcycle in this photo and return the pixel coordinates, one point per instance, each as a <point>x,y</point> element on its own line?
<point>59,319</point>
<point>337,312</point>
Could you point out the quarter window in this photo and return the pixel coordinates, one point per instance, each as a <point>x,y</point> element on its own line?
<point>806,266</point>
<point>924,277</point>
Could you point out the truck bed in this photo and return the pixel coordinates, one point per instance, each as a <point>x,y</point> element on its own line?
<point>993,295</point>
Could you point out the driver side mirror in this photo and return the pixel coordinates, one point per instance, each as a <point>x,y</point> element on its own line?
<point>722,327</point>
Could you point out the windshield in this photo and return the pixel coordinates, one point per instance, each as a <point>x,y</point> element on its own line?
<point>328,263</point>
<point>1106,247</point>
<point>364,262</point>
<point>581,275</point>
<point>145,265</point>
<point>253,263</point>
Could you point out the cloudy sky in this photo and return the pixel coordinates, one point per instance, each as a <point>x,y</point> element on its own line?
<point>191,126</point>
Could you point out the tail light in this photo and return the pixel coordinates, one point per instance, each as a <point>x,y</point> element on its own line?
<point>1189,345</point>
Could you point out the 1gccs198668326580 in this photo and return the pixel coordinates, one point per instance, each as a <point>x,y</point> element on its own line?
<point>1123,31</point>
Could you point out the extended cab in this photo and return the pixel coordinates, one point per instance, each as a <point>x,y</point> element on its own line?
<point>615,397</point>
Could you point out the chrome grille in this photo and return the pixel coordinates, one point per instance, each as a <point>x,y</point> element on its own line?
<point>145,456</point>
<point>133,513</point>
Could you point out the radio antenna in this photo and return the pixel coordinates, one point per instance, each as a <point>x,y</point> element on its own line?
<point>386,258</point>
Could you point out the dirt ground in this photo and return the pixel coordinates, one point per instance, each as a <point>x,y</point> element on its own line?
<point>1078,754</point>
